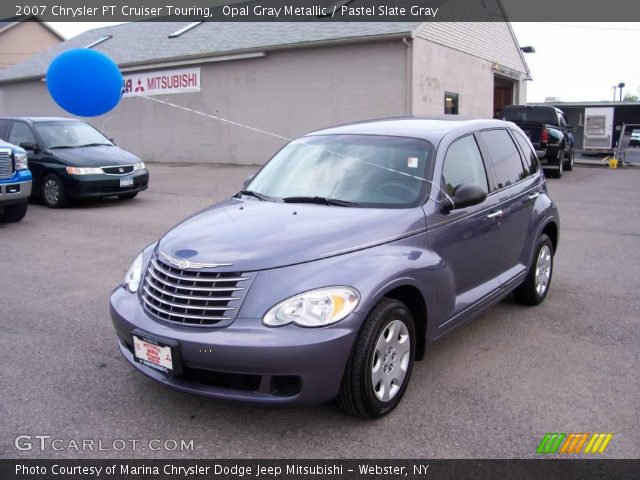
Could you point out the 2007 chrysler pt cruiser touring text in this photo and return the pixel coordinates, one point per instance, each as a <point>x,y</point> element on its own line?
<point>350,250</point>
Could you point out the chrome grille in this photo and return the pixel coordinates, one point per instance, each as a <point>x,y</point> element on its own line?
<point>6,163</point>
<point>192,296</point>
<point>118,170</point>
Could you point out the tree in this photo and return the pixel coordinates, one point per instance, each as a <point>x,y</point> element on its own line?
<point>630,97</point>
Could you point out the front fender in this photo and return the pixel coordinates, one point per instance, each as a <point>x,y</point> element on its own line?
<point>372,271</point>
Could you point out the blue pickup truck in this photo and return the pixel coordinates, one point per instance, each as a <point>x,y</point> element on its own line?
<point>15,183</point>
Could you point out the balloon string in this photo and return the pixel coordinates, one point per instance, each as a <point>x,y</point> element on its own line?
<point>214,117</point>
<point>258,130</point>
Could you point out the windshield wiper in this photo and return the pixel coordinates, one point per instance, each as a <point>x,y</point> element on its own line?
<point>94,145</point>
<point>62,146</point>
<point>259,196</point>
<point>321,201</point>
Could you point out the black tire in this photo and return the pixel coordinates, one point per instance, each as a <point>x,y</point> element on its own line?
<point>357,395</point>
<point>568,162</point>
<point>14,213</point>
<point>52,192</point>
<point>528,293</point>
<point>127,196</point>
<point>558,172</point>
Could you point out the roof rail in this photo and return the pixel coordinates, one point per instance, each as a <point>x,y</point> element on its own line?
<point>184,29</point>
<point>99,41</point>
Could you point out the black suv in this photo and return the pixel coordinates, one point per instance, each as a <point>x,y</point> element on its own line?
<point>70,159</point>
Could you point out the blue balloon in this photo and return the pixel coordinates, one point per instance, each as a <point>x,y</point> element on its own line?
<point>84,82</point>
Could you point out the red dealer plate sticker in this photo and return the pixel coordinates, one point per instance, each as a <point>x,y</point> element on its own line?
<point>153,353</point>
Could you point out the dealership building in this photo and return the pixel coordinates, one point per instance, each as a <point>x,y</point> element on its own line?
<point>282,78</point>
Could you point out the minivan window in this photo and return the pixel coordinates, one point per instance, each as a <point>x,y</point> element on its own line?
<point>463,164</point>
<point>20,133</point>
<point>368,170</point>
<point>531,160</point>
<point>504,157</point>
<point>70,134</point>
<point>4,129</point>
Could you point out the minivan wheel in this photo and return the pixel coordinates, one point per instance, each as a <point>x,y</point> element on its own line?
<point>381,361</point>
<point>53,192</point>
<point>535,287</point>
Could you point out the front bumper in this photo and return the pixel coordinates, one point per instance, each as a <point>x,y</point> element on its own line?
<point>245,361</point>
<point>101,185</point>
<point>15,189</point>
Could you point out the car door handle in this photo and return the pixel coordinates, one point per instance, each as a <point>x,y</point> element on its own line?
<point>533,196</point>
<point>496,214</point>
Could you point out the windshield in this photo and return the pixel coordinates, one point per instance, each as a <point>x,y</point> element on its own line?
<point>70,134</point>
<point>528,114</point>
<point>364,170</point>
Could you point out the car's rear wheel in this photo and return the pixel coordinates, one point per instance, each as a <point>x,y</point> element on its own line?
<point>127,196</point>
<point>536,285</point>
<point>381,361</point>
<point>53,193</point>
<point>568,162</point>
<point>558,172</point>
<point>14,213</point>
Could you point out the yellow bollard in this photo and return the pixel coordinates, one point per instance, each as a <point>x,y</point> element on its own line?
<point>613,163</point>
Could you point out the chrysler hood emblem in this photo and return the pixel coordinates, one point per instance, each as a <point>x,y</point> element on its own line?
<point>186,264</point>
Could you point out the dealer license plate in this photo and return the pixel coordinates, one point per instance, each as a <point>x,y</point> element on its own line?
<point>153,353</point>
<point>126,182</point>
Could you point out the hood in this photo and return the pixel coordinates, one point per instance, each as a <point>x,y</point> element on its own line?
<point>254,235</point>
<point>99,156</point>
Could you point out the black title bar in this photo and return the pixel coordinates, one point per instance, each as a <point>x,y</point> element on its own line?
<point>322,10</point>
<point>548,469</point>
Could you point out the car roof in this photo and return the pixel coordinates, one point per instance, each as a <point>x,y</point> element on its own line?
<point>426,128</point>
<point>41,119</point>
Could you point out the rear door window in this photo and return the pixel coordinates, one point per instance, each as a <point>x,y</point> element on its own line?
<point>530,157</point>
<point>463,164</point>
<point>504,157</point>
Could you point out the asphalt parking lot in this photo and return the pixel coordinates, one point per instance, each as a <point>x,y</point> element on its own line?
<point>490,390</point>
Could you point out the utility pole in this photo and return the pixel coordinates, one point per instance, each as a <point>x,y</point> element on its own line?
<point>621,85</point>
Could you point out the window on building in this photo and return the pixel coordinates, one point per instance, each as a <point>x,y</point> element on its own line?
<point>450,103</point>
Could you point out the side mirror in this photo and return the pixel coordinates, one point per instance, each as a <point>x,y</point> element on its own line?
<point>29,146</point>
<point>465,195</point>
<point>247,180</point>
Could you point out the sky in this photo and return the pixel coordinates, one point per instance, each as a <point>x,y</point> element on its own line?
<point>572,61</point>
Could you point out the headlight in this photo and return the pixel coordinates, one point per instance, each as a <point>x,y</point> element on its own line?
<point>21,161</point>
<point>132,278</point>
<point>316,308</point>
<point>138,166</point>
<point>83,171</point>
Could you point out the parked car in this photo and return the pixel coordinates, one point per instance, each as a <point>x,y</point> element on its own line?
<point>549,133</point>
<point>70,159</point>
<point>330,272</point>
<point>15,183</point>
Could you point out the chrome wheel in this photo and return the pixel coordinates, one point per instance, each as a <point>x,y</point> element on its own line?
<point>51,191</point>
<point>391,360</point>
<point>543,269</point>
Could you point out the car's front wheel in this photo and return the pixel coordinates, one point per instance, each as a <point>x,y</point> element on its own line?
<point>53,192</point>
<point>381,361</point>
<point>535,287</point>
